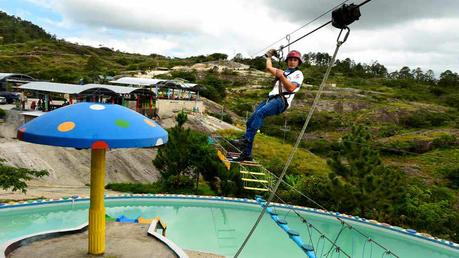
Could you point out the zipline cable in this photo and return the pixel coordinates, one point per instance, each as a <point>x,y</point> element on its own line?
<point>304,25</point>
<point>316,29</point>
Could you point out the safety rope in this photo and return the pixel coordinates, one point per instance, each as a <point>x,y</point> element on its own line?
<point>338,218</point>
<point>365,246</point>
<point>308,224</point>
<point>336,239</point>
<point>322,237</point>
<point>304,220</point>
<point>350,227</point>
<point>300,137</point>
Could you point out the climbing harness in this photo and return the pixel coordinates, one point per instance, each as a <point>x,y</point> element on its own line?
<point>280,93</point>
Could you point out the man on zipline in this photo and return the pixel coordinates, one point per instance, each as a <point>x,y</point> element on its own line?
<point>287,83</point>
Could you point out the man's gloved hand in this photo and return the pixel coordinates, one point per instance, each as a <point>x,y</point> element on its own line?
<point>279,73</point>
<point>271,53</point>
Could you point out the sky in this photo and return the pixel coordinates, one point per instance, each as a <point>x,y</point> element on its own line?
<point>414,33</point>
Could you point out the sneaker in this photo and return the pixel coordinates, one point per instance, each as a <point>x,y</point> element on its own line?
<point>241,144</point>
<point>244,157</point>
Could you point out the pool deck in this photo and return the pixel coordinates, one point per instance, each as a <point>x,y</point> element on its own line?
<point>123,240</point>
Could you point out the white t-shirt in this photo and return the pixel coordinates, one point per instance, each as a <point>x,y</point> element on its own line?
<point>295,77</point>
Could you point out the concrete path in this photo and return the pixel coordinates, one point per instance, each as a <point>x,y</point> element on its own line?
<point>123,240</point>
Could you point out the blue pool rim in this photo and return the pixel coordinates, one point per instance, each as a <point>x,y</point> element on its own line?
<point>373,223</point>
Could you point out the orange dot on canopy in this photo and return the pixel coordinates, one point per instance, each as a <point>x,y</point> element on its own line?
<point>66,126</point>
<point>150,123</point>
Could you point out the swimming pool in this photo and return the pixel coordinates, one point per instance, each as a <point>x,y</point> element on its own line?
<point>219,226</point>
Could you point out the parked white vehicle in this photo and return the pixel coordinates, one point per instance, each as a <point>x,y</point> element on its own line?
<point>2,100</point>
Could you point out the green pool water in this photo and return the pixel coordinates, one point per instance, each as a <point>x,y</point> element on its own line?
<point>220,227</point>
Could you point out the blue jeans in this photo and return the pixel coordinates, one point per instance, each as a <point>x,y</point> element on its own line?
<point>266,108</point>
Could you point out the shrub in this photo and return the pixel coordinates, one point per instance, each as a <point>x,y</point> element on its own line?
<point>424,119</point>
<point>214,88</point>
<point>452,100</point>
<point>132,67</point>
<point>189,76</point>
<point>241,108</point>
<point>400,83</point>
<point>2,113</point>
<point>453,176</point>
<point>226,118</point>
<point>239,82</point>
<point>122,61</point>
<point>437,91</point>
<point>135,188</point>
<point>320,146</point>
<point>445,140</point>
<point>322,120</point>
<point>388,131</point>
<point>179,182</point>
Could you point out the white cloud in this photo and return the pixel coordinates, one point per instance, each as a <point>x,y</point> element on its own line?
<point>394,34</point>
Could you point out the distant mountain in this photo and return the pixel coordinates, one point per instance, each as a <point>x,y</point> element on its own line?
<point>15,30</point>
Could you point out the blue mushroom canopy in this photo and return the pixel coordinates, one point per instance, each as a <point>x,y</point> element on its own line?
<point>93,125</point>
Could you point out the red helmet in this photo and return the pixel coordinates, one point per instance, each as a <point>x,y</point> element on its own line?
<point>296,54</point>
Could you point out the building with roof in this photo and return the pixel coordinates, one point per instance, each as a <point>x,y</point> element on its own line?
<point>151,97</point>
<point>139,99</point>
<point>172,96</point>
<point>13,79</point>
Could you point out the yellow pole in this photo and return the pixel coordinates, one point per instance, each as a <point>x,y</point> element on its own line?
<point>96,243</point>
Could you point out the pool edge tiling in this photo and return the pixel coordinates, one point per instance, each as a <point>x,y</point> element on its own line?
<point>217,199</point>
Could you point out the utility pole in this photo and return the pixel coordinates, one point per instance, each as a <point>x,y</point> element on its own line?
<point>285,129</point>
<point>223,108</point>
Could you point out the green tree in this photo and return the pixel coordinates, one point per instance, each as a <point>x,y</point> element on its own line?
<point>15,178</point>
<point>448,79</point>
<point>405,73</point>
<point>377,70</point>
<point>185,158</point>
<point>360,183</point>
<point>181,118</point>
<point>238,57</point>
<point>214,87</point>
<point>217,56</point>
<point>429,77</point>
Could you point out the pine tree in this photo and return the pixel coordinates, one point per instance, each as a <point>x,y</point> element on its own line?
<point>360,183</point>
<point>186,157</point>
